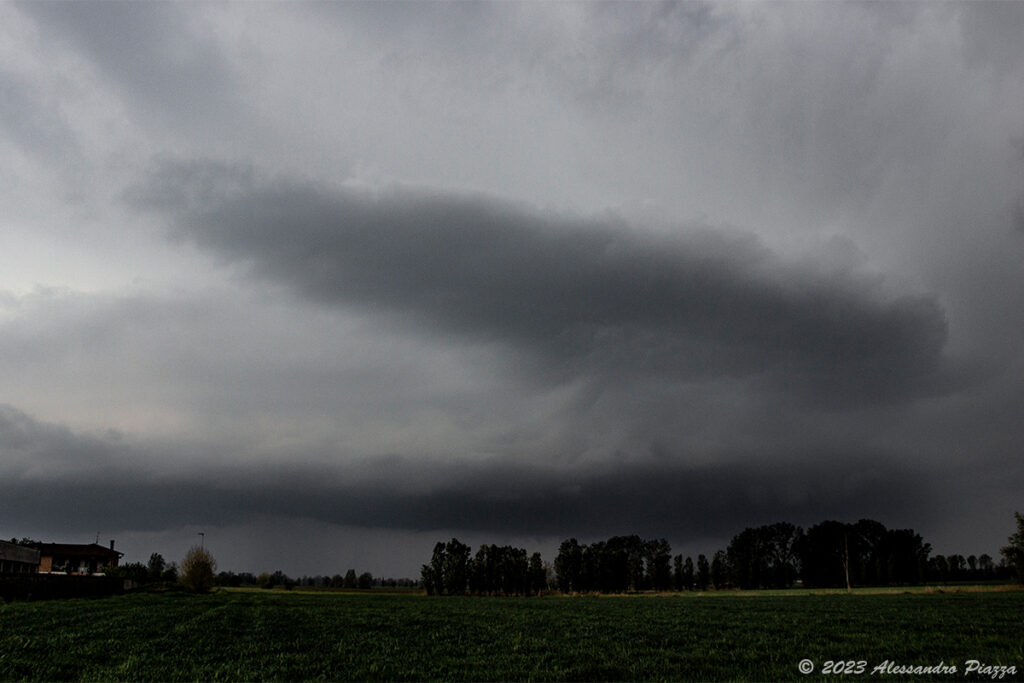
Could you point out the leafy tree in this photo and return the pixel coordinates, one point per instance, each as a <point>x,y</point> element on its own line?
<point>938,568</point>
<point>677,573</point>
<point>351,580</point>
<point>904,557</point>
<point>569,566</point>
<point>1014,550</point>
<point>630,552</point>
<point>868,558</point>
<point>747,559</point>
<point>449,569</point>
<point>437,561</point>
<point>616,565</point>
<point>823,553</point>
<point>170,574</point>
<point>780,542</point>
<point>766,557</point>
<point>228,579</point>
<point>429,581</point>
<point>658,556</point>
<point>197,570</point>
<point>866,553</point>
<point>703,573</point>
<point>688,575</point>
<point>599,570</point>
<point>365,580</point>
<point>455,574</point>
<point>485,572</point>
<point>720,570</point>
<point>279,578</point>
<point>515,570</point>
<point>156,566</point>
<point>957,564</point>
<point>538,574</point>
<point>246,579</point>
<point>134,571</point>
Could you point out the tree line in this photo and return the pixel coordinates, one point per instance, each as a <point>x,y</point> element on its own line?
<point>494,570</point>
<point>780,555</point>
<point>157,570</point>
<point>829,554</point>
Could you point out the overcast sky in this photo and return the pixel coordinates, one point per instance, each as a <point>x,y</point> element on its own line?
<point>331,282</point>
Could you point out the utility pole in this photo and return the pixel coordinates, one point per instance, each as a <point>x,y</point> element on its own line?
<point>846,560</point>
<point>202,540</point>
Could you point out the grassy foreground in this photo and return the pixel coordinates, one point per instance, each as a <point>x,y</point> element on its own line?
<point>309,636</point>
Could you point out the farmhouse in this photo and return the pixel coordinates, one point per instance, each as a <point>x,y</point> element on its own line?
<point>70,558</point>
<point>18,559</point>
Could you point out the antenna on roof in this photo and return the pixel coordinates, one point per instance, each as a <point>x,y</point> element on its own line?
<point>97,538</point>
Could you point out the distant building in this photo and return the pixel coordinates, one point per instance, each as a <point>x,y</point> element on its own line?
<point>18,559</point>
<point>70,558</point>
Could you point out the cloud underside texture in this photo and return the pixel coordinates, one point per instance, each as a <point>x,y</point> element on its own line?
<point>652,496</point>
<point>572,298</point>
<point>706,502</point>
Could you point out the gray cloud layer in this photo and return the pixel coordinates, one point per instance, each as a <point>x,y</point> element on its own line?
<point>587,296</point>
<point>658,496</point>
<point>169,70</point>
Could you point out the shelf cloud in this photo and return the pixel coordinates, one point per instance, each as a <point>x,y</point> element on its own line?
<point>330,282</point>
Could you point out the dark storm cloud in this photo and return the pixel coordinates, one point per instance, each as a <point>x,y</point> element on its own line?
<point>33,451</point>
<point>662,498</point>
<point>652,497</point>
<point>587,297</point>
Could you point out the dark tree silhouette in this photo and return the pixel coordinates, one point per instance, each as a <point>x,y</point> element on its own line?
<point>720,570</point>
<point>619,564</point>
<point>658,556</point>
<point>538,575</point>
<point>867,554</point>
<point>823,554</point>
<point>429,580</point>
<point>569,566</point>
<point>688,574</point>
<point>455,567</point>
<point>156,566</point>
<point>748,559</point>
<point>703,573</point>
<point>1014,550</point>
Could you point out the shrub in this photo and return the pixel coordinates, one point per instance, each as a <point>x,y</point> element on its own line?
<point>197,570</point>
<point>170,574</point>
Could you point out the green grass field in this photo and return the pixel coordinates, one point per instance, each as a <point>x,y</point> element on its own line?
<point>278,635</point>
